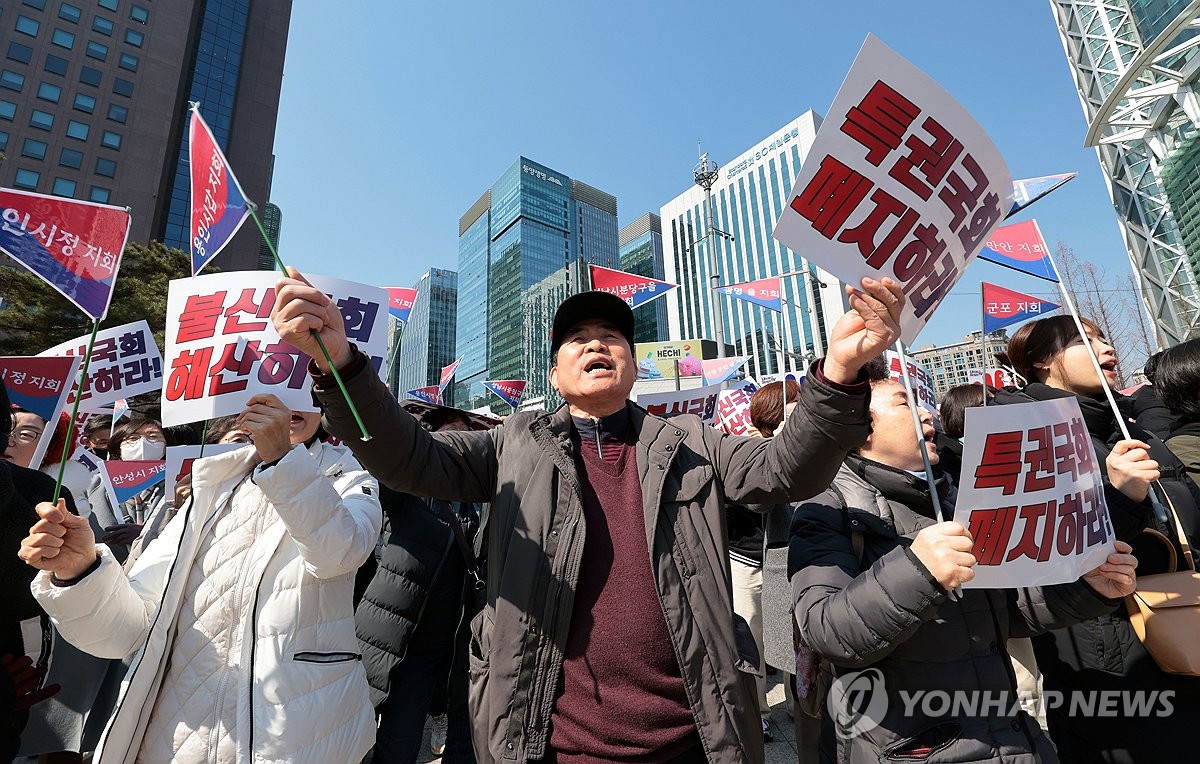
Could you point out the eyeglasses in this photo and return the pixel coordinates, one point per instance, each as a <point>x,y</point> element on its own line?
<point>24,435</point>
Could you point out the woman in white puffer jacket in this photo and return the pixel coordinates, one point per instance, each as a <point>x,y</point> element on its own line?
<point>251,655</point>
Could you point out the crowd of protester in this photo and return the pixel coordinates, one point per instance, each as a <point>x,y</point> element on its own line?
<point>588,584</point>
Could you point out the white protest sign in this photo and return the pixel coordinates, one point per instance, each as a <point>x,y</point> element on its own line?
<point>922,380</point>
<point>733,408</point>
<point>222,348</point>
<point>125,362</point>
<point>180,458</point>
<point>995,378</point>
<point>900,182</point>
<point>1032,495</point>
<point>701,401</point>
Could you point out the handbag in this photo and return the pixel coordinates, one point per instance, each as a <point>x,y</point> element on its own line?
<point>1164,611</point>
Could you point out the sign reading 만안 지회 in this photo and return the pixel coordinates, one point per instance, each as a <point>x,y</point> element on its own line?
<point>922,380</point>
<point>222,348</point>
<point>733,408</point>
<point>701,401</point>
<point>1032,495</point>
<point>124,362</point>
<point>40,385</point>
<point>900,182</point>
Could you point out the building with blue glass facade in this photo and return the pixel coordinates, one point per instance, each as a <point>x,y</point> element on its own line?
<point>94,99</point>
<point>529,226</point>
<point>747,200</point>
<point>642,253</point>
<point>427,343</point>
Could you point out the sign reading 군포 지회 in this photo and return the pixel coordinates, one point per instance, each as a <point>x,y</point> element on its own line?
<point>222,348</point>
<point>900,182</point>
<point>1032,495</point>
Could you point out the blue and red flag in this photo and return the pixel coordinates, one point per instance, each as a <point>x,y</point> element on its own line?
<point>73,246</point>
<point>219,207</point>
<point>717,370</point>
<point>633,289</point>
<point>511,391</point>
<point>764,292</point>
<point>123,480</point>
<point>40,385</point>
<point>1020,246</point>
<point>1029,190</point>
<point>448,373</point>
<point>401,301</point>
<point>431,394</point>
<point>1003,307</point>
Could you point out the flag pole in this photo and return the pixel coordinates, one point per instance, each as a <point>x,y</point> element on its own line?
<point>364,436</point>
<point>62,463</point>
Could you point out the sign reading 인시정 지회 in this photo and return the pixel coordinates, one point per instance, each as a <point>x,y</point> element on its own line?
<point>1032,495</point>
<point>900,182</point>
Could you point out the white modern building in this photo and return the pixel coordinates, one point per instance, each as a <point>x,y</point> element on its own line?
<point>747,198</point>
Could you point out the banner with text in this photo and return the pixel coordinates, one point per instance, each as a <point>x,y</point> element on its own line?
<point>222,348</point>
<point>511,391</point>
<point>923,386</point>
<point>180,459</point>
<point>1032,495</point>
<point>733,408</point>
<point>123,480</point>
<point>900,182</point>
<point>633,289</point>
<point>1020,246</point>
<point>431,394</point>
<point>400,302</point>
<point>764,292</point>
<point>701,401</point>
<point>717,370</point>
<point>994,378</point>
<point>40,385</point>
<point>218,204</point>
<point>1004,307</point>
<point>125,362</point>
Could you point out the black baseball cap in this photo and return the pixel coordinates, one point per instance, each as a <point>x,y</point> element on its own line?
<point>588,306</point>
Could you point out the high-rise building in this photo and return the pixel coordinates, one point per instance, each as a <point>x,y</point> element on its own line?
<point>747,198</point>
<point>531,224</point>
<point>427,343</point>
<point>642,253</point>
<point>1133,62</point>
<point>94,102</point>
<point>949,364</point>
<point>272,220</point>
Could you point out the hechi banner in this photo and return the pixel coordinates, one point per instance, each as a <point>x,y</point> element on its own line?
<point>701,401</point>
<point>764,292</point>
<point>431,394</point>
<point>733,408</point>
<point>511,391</point>
<point>633,289</point>
<point>125,362</point>
<point>1003,307</point>
<point>39,385</point>
<point>900,182</point>
<point>123,480</point>
<point>219,206</point>
<point>923,386</point>
<point>1032,495</point>
<point>222,348</point>
<point>73,246</point>
<point>1020,246</point>
<point>400,302</point>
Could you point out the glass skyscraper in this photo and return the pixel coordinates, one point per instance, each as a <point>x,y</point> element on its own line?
<point>642,253</point>
<point>428,341</point>
<point>747,199</point>
<point>530,224</point>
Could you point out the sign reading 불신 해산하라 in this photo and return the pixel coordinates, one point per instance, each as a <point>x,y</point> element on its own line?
<point>401,301</point>
<point>633,289</point>
<point>222,348</point>
<point>125,362</point>
<point>40,385</point>
<point>923,386</point>
<point>733,408</point>
<point>219,207</point>
<point>1032,495</point>
<point>73,246</point>
<point>900,183</point>
<point>125,479</point>
<point>701,401</point>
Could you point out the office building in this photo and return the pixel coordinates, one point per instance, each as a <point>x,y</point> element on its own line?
<point>747,199</point>
<point>272,220</point>
<point>94,102</point>
<point>949,364</point>
<point>427,340</point>
<point>642,253</point>
<point>1133,63</point>
<point>523,233</point>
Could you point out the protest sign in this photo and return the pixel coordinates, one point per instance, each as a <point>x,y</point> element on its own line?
<point>995,378</point>
<point>219,206</point>
<point>40,385</point>
<point>733,408</point>
<point>923,387</point>
<point>73,246</point>
<point>222,348</point>
<point>900,182</point>
<point>124,362</point>
<point>635,290</point>
<point>125,479</point>
<point>1004,307</point>
<point>701,401</point>
<point>400,302</point>
<point>180,458</point>
<point>1032,495</point>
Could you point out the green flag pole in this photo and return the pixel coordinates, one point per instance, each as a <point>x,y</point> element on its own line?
<point>66,454</point>
<point>362,428</point>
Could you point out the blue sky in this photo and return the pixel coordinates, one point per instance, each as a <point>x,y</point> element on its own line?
<point>396,115</point>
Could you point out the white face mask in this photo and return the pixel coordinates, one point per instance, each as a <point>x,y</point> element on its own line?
<point>140,449</point>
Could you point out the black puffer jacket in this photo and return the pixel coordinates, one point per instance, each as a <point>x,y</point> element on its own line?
<point>1103,653</point>
<point>414,543</point>
<point>889,615</point>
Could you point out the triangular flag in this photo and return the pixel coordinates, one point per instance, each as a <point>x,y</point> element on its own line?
<point>219,206</point>
<point>401,301</point>
<point>717,370</point>
<point>1020,246</point>
<point>634,289</point>
<point>120,409</point>
<point>764,292</point>
<point>511,391</point>
<point>448,373</point>
<point>124,479</point>
<point>73,246</point>
<point>431,394</point>
<point>40,385</point>
<point>1003,307</point>
<point>1029,190</point>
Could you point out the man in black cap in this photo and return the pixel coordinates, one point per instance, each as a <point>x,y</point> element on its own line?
<point>609,632</point>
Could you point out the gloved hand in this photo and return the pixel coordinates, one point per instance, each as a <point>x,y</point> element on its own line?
<point>122,533</point>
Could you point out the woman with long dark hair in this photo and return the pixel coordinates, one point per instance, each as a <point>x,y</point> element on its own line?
<point>1103,654</point>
